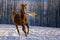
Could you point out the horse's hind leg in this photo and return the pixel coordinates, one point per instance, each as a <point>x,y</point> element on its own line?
<point>17,30</point>
<point>24,30</point>
<point>27,28</point>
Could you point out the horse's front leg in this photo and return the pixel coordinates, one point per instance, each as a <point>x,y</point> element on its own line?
<point>27,28</point>
<point>24,30</point>
<point>17,30</point>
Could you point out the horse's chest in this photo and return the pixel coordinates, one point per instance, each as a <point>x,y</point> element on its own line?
<point>18,19</point>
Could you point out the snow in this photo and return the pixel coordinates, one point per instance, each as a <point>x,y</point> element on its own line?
<point>8,32</point>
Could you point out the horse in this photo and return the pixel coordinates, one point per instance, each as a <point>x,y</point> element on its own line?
<point>21,19</point>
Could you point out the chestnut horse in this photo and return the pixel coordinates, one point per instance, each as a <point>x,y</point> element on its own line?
<point>21,19</point>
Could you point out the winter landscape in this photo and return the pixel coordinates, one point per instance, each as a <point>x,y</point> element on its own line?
<point>8,32</point>
<point>43,19</point>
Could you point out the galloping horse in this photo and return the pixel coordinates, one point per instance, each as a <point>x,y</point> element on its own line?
<point>21,19</point>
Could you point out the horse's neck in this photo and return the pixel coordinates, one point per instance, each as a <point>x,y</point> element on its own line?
<point>22,11</point>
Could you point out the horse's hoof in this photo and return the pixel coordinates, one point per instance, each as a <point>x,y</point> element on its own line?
<point>27,33</point>
<point>19,34</point>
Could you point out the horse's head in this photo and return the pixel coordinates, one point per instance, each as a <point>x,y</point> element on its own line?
<point>23,6</point>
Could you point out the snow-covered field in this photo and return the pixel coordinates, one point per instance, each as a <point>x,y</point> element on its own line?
<point>8,32</point>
